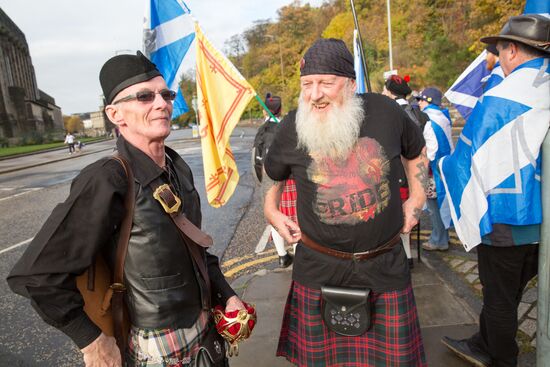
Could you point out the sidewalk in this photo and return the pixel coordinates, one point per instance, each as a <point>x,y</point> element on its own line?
<point>440,311</point>
<point>16,163</point>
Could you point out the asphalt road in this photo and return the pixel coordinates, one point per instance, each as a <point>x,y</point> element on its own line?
<point>28,196</point>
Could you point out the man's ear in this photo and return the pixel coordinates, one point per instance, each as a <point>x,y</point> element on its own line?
<point>113,114</point>
<point>353,85</point>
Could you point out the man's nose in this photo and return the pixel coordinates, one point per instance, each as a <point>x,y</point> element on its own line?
<point>159,102</point>
<point>316,93</point>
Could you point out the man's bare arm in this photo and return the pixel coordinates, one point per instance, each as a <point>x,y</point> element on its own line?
<point>417,176</point>
<point>272,191</point>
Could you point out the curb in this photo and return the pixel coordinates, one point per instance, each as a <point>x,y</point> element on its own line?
<point>14,156</point>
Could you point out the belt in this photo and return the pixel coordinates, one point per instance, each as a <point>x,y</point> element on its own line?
<point>356,256</point>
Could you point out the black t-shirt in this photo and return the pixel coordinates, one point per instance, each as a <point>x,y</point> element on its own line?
<point>352,206</point>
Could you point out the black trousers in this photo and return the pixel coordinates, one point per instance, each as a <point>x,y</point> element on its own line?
<point>504,272</point>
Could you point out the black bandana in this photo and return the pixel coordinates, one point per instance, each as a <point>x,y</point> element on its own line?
<point>328,56</point>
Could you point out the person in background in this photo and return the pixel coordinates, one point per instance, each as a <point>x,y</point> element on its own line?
<point>397,88</point>
<point>439,142</point>
<point>262,141</point>
<point>69,140</point>
<point>517,103</point>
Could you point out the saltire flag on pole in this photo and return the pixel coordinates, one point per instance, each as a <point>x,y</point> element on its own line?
<point>467,89</point>
<point>358,65</point>
<point>222,95</point>
<point>168,34</point>
<point>494,174</point>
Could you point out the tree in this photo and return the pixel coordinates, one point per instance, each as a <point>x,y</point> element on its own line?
<point>73,123</point>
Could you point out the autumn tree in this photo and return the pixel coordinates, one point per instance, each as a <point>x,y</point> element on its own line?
<point>73,123</point>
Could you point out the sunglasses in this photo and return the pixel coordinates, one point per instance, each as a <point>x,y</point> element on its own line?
<point>147,96</point>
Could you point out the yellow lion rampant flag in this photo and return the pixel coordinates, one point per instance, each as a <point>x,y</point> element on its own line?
<point>222,96</point>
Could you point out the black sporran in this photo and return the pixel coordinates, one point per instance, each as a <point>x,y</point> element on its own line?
<point>346,311</point>
<point>212,352</point>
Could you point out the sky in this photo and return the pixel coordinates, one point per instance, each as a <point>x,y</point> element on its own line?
<point>69,40</point>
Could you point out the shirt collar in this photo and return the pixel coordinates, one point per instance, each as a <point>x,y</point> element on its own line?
<point>144,168</point>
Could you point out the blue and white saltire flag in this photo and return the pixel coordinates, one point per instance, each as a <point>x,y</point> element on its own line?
<point>168,34</point>
<point>494,174</point>
<point>541,7</point>
<point>465,91</point>
<point>439,140</point>
<point>358,65</point>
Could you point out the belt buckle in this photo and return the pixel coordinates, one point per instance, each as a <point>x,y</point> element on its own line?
<point>167,208</point>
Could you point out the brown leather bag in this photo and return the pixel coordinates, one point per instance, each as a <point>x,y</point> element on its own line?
<point>103,289</point>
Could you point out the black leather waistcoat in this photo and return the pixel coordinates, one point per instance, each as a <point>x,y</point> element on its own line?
<point>164,288</point>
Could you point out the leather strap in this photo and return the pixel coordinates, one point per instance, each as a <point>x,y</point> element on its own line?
<point>194,238</point>
<point>118,286</point>
<point>357,256</point>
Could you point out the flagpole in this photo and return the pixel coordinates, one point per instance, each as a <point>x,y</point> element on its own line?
<point>266,109</point>
<point>359,40</point>
<point>543,316</point>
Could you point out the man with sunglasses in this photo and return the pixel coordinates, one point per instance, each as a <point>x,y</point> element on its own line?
<point>165,291</point>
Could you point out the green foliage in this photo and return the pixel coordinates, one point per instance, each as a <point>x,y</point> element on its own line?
<point>433,42</point>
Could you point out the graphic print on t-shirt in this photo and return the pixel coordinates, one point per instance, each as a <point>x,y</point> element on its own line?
<point>352,190</point>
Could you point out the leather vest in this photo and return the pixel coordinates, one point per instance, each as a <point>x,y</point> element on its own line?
<point>164,287</point>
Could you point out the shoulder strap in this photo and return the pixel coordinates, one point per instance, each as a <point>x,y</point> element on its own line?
<point>194,238</point>
<point>117,285</point>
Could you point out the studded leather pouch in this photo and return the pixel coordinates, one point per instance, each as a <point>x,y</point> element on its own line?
<point>346,311</point>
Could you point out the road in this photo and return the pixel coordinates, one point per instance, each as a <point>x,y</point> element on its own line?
<point>27,197</point>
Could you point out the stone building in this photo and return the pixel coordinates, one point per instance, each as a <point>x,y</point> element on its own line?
<point>23,107</point>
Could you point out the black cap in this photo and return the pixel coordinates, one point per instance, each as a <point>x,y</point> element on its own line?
<point>273,103</point>
<point>328,56</point>
<point>532,30</point>
<point>122,71</point>
<point>398,85</point>
<point>431,95</point>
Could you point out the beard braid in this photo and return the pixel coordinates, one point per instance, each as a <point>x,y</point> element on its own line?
<point>334,134</point>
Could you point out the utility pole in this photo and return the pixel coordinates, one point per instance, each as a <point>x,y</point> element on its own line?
<point>283,80</point>
<point>389,35</point>
<point>543,302</point>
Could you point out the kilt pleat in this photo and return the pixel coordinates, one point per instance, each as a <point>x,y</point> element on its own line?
<point>394,338</point>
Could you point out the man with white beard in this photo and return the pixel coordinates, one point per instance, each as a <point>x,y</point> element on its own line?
<point>351,301</point>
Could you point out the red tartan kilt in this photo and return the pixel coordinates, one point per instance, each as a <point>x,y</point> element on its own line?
<point>288,200</point>
<point>394,338</point>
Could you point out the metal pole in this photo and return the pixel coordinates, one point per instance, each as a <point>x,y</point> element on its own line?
<point>543,303</point>
<point>389,34</point>
<point>360,41</point>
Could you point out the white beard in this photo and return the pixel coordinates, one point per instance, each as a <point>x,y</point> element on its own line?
<point>332,135</point>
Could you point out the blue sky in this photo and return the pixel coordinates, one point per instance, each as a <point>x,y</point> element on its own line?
<point>70,40</point>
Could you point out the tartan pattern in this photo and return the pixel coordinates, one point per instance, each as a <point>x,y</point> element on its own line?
<point>288,200</point>
<point>165,347</point>
<point>393,340</point>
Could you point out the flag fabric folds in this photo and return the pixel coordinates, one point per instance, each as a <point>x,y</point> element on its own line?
<point>541,7</point>
<point>222,95</point>
<point>168,34</point>
<point>466,90</point>
<point>508,125</point>
<point>358,65</point>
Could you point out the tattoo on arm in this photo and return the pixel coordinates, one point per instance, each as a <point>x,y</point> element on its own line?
<point>422,174</point>
<point>417,213</point>
<point>268,183</point>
